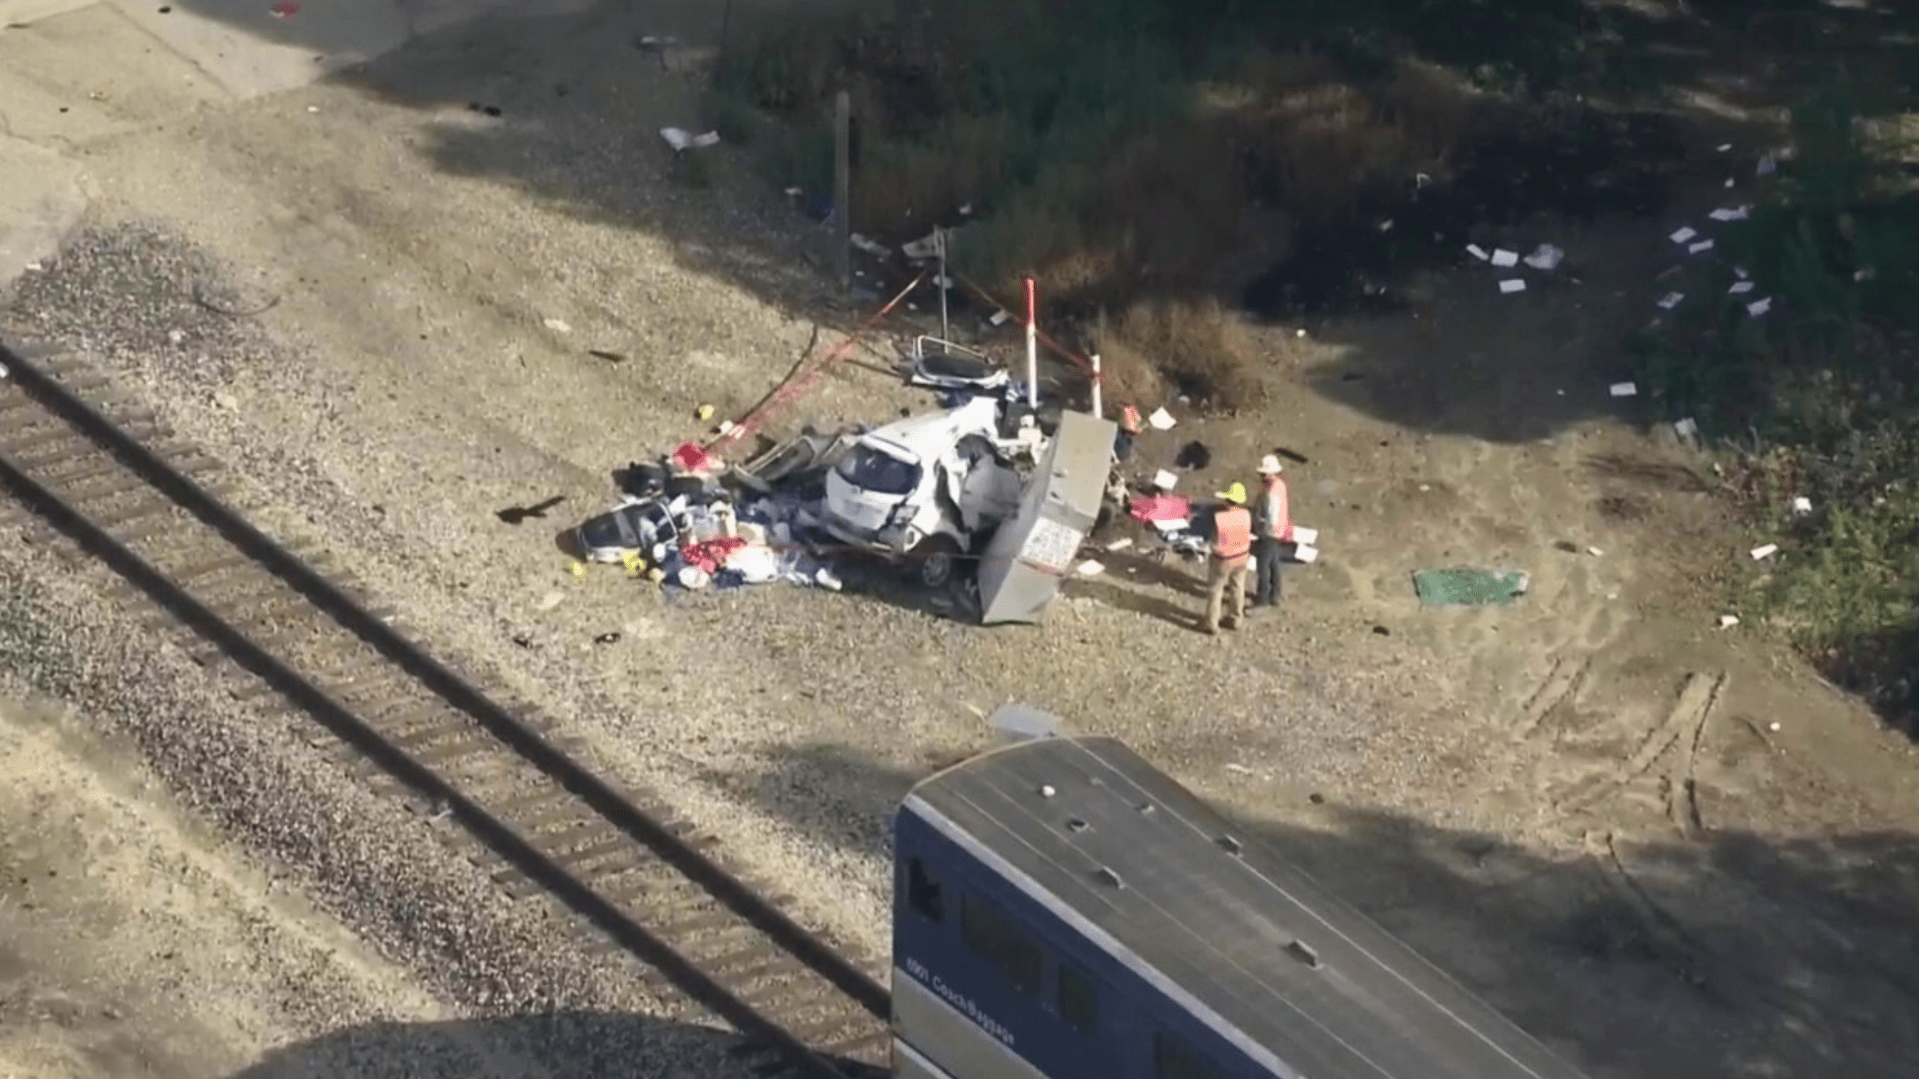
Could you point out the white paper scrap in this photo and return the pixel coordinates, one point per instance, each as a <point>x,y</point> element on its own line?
<point>1671,300</point>
<point>1478,252</point>
<point>1090,568</point>
<point>1624,389</point>
<point>1740,288</point>
<point>1737,213</point>
<point>1768,165</point>
<point>1120,544</point>
<point>1725,146</point>
<point>1161,420</point>
<point>1512,284</point>
<point>1503,257</point>
<point>1759,307</point>
<point>557,326</point>
<point>1687,428</point>
<point>1307,536</point>
<point>1683,235</point>
<point>1000,317</point>
<point>1762,552</point>
<point>1801,506</point>
<point>1165,480</point>
<point>1727,621</point>
<point>1703,245</point>
<point>1306,554</point>
<point>1545,257</point>
<point>711,138</point>
<point>1594,551</point>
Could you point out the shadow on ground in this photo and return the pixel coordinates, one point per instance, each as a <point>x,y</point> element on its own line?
<point>577,1044</point>
<point>1640,956</point>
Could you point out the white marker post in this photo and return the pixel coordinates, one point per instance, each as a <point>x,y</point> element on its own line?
<point>1032,347</point>
<point>1097,410</point>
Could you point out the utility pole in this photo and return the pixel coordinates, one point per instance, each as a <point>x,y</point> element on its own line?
<point>843,185</point>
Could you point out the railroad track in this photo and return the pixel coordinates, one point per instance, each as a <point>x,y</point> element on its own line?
<point>115,482</point>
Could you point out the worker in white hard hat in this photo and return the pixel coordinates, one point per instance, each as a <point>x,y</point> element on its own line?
<point>1272,526</point>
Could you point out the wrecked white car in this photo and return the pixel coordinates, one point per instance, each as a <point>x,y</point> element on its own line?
<point>637,526</point>
<point>925,490</point>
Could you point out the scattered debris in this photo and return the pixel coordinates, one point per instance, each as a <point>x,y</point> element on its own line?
<point>1305,536</point>
<point>1684,235</point>
<point>1382,631</point>
<point>1773,726</point>
<point>1736,213</point>
<point>870,246</point>
<point>610,637</point>
<point>1512,284</point>
<point>681,140</point>
<point>1759,307</point>
<point>1165,480</point>
<point>1595,552</point>
<point>1764,551</point>
<point>1478,252</point>
<point>1161,420</point>
<point>1305,552</point>
<point>1545,257</point>
<point>1671,300</point>
<point>557,325</point>
<point>1502,257</point>
<point>1624,389</point>
<point>1768,165</point>
<point>1194,454</point>
<point>1703,245</point>
<point>1291,455</point>
<point>551,600</point>
<point>471,106</point>
<point>285,9</point>
<point>1739,288</point>
<point>1090,568</point>
<point>1725,147</point>
<point>1801,506</point>
<point>1687,429</point>
<point>1727,621</point>
<point>999,318</point>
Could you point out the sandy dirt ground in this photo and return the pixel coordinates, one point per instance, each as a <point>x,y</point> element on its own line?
<point>1667,849</point>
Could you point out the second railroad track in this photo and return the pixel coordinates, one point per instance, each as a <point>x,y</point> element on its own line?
<point>111,479</point>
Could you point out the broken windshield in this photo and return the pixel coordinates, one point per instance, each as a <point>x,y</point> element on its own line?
<point>874,470</point>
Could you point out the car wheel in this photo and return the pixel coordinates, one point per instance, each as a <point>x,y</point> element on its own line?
<point>937,558</point>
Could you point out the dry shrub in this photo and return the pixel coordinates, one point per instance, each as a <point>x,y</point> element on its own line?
<point>903,187</point>
<point>1197,345</point>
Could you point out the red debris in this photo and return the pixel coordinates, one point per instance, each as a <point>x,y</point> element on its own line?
<point>712,554</point>
<point>285,9</point>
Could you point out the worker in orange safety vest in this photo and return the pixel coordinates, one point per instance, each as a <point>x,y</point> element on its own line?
<point>1232,547</point>
<point>1272,526</point>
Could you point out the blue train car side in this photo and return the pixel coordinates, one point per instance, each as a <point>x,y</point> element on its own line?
<point>1065,911</point>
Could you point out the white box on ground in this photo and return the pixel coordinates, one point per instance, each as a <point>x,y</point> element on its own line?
<point>1503,257</point>
<point>1165,480</point>
<point>1512,284</point>
<point>1305,536</point>
<point>1306,553</point>
<point>1624,389</point>
<point>1764,551</point>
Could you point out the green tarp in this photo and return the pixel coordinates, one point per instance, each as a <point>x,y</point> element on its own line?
<point>1469,587</point>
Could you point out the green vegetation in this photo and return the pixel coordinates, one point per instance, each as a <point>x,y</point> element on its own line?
<point>1820,394</point>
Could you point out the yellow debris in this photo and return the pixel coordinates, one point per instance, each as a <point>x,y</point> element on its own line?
<point>578,569</point>
<point>706,412</point>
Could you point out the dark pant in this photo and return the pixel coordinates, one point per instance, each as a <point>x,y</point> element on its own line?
<point>1268,553</point>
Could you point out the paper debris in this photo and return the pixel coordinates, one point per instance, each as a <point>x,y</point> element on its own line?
<point>1624,389</point>
<point>1764,551</point>
<point>1740,288</point>
<point>966,210</point>
<point>1179,525</point>
<point>1759,307</point>
<point>1801,506</point>
<point>1545,257</point>
<point>557,326</point>
<point>1305,553</point>
<point>794,192</point>
<point>680,139</point>
<point>1478,252</point>
<point>1773,726</point>
<point>1090,568</point>
<point>926,247</point>
<point>1512,284</point>
<point>869,245</point>
<point>1165,480</point>
<point>1161,420</point>
<point>1725,146</point>
<point>1740,272</point>
<point>1671,300</point>
<point>1729,183</point>
<point>1687,428</point>
<point>1120,544</point>
<point>1768,165</point>
<point>1682,236</point>
<point>1503,257</point>
<point>1703,245</point>
<point>1000,317</point>
<point>551,600</point>
<point>1737,213</point>
<point>1857,275</point>
<point>35,267</point>
<point>1727,621</point>
<point>1304,535</point>
<point>1594,551</point>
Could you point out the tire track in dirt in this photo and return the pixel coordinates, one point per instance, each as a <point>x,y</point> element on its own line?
<point>1685,723</point>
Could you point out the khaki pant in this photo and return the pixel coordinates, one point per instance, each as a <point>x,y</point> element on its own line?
<point>1225,581</point>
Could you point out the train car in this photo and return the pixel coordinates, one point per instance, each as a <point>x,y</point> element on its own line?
<point>1064,910</point>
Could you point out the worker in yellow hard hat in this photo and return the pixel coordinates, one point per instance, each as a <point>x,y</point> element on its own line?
<point>1232,548</point>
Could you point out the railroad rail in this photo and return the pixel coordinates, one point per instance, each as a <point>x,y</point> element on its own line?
<point>637,878</point>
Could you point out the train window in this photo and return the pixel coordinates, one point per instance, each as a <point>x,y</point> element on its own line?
<point>1173,1059</point>
<point>923,892</point>
<point>1078,1000</point>
<point>998,941</point>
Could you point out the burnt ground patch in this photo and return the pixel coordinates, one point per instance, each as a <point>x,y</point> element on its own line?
<point>1583,165</point>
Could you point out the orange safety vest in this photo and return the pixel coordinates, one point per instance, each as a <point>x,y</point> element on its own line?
<point>1275,515</point>
<point>1232,533</point>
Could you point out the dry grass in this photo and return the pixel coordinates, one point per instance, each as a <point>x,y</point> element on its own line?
<point>1197,346</point>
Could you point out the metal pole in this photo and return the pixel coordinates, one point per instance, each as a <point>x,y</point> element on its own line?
<point>1097,410</point>
<point>843,184</point>
<point>1032,347</point>
<point>940,237</point>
